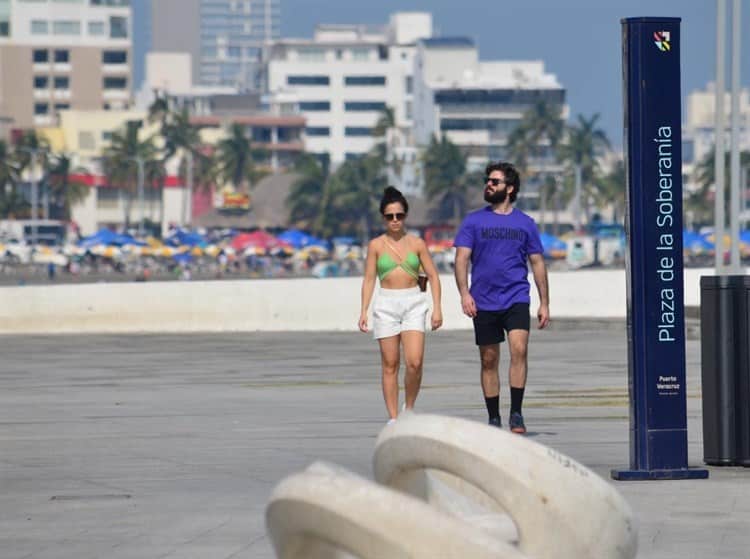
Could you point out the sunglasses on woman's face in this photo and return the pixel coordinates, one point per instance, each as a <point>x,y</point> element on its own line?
<point>398,217</point>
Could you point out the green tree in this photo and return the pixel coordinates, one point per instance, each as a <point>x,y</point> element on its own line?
<point>307,191</point>
<point>700,204</point>
<point>583,143</point>
<point>64,190</point>
<point>446,187</point>
<point>610,190</point>
<point>238,160</point>
<point>121,158</point>
<point>533,143</point>
<point>11,201</point>
<point>351,198</point>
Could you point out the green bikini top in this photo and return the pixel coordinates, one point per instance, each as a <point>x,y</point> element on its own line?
<point>386,264</point>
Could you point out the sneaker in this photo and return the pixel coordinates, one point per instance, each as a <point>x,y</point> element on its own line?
<point>496,422</point>
<point>516,423</point>
<point>391,421</point>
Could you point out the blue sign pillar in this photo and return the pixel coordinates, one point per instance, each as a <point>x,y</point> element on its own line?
<point>656,325</point>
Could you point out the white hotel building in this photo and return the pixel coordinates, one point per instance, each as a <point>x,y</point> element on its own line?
<point>344,77</point>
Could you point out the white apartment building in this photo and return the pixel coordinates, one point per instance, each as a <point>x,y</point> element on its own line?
<point>476,104</point>
<point>57,55</point>
<point>344,77</point>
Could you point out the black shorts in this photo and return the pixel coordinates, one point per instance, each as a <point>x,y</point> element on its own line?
<point>490,326</point>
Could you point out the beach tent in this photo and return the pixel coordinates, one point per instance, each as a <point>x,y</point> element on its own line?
<point>299,239</point>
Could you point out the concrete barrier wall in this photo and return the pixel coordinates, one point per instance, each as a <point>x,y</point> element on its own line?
<point>270,305</point>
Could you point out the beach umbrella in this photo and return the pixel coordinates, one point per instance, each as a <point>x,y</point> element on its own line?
<point>695,243</point>
<point>300,239</point>
<point>553,247</point>
<point>258,239</point>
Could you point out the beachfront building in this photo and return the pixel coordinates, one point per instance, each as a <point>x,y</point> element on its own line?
<point>344,77</point>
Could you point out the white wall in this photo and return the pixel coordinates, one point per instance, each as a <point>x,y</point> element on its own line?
<point>270,305</point>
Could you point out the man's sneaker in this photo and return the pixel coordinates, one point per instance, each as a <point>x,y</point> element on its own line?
<point>496,422</point>
<point>516,423</point>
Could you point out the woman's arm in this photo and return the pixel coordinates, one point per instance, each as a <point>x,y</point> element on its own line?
<point>368,284</point>
<point>434,280</point>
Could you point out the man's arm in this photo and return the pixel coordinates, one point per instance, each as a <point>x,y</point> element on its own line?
<point>539,269</point>
<point>463,254</point>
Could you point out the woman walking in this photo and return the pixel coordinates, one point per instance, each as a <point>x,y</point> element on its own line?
<point>400,309</point>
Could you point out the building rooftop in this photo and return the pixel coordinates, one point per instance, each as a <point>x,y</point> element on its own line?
<point>448,42</point>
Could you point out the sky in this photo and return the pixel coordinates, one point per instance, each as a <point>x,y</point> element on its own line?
<point>578,40</point>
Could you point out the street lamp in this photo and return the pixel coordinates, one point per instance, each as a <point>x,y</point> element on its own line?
<point>33,152</point>
<point>188,213</point>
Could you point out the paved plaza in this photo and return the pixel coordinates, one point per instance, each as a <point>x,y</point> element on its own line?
<point>167,446</point>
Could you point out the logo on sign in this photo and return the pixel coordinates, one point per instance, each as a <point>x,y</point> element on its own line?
<point>661,39</point>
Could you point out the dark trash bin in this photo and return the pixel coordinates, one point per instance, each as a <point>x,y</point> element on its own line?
<point>725,369</point>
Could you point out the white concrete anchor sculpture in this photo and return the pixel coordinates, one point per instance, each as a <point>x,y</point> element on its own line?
<point>561,509</point>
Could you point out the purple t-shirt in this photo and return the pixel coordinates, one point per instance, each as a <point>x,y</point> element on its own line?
<point>500,247</point>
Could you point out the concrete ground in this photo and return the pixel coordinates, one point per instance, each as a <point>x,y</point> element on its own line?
<point>168,446</point>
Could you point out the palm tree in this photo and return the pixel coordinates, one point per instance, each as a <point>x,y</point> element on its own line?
<point>540,129</point>
<point>351,196</point>
<point>611,190</point>
<point>121,159</point>
<point>237,159</point>
<point>697,203</point>
<point>11,201</point>
<point>306,193</point>
<point>444,168</point>
<point>65,191</point>
<point>584,142</point>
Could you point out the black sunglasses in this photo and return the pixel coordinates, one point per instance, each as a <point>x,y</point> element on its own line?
<point>398,217</point>
<point>494,182</point>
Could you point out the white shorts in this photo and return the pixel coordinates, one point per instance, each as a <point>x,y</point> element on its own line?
<point>398,310</point>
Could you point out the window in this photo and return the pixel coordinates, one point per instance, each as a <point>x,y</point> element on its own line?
<point>360,54</point>
<point>62,82</point>
<point>86,140</point>
<point>314,106</point>
<point>318,131</point>
<point>308,80</point>
<point>115,83</point>
<point>4,28</point>
<point>41,82</point>
<point>234,52</point>
<point>40,56</point>
<point>118,27</point>
<point>357,131</point>
<point>364,80</point>
<point>96,28</point>
<point>62,56</point>
<point>358,106</point>
<point>66,27</point>
<point>114,57</point>
<point>61,107</point>
<point>312,54</point>
<point>409,85</point>
<point>41,108</point>
<point>39,27</point>
<point>350,156</point>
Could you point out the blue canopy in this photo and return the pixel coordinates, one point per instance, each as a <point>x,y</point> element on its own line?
<point>300,239</point>
<point>181,237</point>
<point>695,242</point>
<point>550,244</point>
<point>106,237</point>
<point>183,258</point>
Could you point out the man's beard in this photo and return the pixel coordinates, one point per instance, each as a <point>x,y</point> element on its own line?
<point>497,197</point>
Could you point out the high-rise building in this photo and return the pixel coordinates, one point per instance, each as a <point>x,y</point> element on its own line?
<point>344,78</point>
<point>225,38</point>
<point>62,54</point>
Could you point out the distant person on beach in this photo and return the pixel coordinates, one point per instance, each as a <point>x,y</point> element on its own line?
<point>498,240</point>
<point>400,308</point>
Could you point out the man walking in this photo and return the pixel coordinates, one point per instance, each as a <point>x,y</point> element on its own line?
<point>499,240</point>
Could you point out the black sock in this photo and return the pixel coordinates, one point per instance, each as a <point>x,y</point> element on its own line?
<point>493,406</point>
<point>516,399</point>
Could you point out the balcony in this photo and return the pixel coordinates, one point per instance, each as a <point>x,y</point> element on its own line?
<point>63,94</point>
<point>116,68</point>
<point>42,94</point>
<point>115,94</point>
